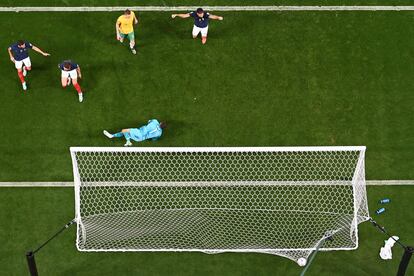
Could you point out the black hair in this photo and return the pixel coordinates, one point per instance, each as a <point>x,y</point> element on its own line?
<point>67,65</point>
<point>20,42</point>
<point>200,10</point>
<point>127,11</point>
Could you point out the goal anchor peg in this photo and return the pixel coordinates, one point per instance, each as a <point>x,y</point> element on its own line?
<point>31,263</point>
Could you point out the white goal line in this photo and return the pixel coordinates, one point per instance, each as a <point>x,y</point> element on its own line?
<point>213,8</point>
<point>70,184</point>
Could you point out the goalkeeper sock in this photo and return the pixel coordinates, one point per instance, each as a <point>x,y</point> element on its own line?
<point>21,77</point>
<point>78,88</point>
<point>119,134</point>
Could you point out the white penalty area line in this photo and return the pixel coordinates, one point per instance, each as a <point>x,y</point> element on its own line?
<point>70,184</point>
<point>212,8</point>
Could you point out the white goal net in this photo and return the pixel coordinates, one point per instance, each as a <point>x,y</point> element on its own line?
<point>277,200</point>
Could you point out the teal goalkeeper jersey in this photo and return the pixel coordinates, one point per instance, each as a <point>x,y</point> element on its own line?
<point>150,131</point>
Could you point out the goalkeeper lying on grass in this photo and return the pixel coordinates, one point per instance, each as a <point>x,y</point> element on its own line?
<point>152,130</point>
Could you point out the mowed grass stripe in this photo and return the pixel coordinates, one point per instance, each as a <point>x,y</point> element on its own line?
<point>287,79</point>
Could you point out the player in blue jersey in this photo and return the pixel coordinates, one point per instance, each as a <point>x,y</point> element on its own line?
<point>19,55</point>
<point>152,130</point>
<point>200,22</point>
<point>70,73</point>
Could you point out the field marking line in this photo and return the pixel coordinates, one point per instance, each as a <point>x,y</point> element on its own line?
<point>70,184</point>
<point>214,8</point>
<point>29,184</point>
<point>389,182</point>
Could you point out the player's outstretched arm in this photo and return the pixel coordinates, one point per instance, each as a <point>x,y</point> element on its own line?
<point>117,31</point>
<point>182,15</point>
<point>135,19</point>
<point>79,72</point>
<point>10,54</point>
<point>40,51</point>
<point>215,17</point>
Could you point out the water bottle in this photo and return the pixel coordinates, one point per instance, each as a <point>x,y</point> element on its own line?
<point>380,210</point>
<point>385,200</point>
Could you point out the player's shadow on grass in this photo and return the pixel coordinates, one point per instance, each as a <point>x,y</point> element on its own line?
<point>174,129</point>
<point>46,66</point>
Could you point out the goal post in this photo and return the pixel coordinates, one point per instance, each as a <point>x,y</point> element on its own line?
<point>277,200</point>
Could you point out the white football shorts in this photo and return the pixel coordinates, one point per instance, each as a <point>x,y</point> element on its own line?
<point>73,74</point>
<point>197,30</point>
<point>26,62</point>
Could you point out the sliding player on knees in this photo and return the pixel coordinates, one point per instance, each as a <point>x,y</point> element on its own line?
<point>200,22</point>
<point>125,28</point>
<point>152,130</point>
<point>70,73</point>
<point>19,55</point>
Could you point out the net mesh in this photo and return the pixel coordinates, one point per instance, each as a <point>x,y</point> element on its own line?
<point>271,200</point>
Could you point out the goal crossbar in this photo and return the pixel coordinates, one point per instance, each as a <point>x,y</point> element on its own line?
<point>218,149</point>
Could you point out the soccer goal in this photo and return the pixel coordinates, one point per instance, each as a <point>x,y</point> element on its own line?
<point>277,200</point>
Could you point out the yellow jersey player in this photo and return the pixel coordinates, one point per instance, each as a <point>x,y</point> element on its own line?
<point>125,28</point>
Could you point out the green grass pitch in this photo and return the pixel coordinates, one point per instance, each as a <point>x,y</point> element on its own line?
<point>262,79</point>
<point>32,214</point>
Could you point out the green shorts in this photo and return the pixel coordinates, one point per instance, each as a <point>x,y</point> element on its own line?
<point>131,36</point>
